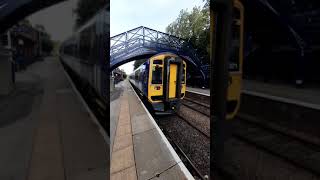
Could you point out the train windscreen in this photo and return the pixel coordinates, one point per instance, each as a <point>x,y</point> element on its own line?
<point>156,75</point>
<point>234,61</point>
<point>183,76</point>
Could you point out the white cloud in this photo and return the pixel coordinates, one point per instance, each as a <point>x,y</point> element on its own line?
<point>128,14</point>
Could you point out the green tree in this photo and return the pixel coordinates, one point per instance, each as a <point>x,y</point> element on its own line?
<point>56,47</point>
<point>137,63</point>
<point>40,27</point>
<point>45,38</point>
<point>86,9</point>
<point>194,26</point>
<point>47,45</point>
<point>124,74</point>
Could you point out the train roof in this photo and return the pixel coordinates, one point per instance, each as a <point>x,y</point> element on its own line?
<point>163,53</point>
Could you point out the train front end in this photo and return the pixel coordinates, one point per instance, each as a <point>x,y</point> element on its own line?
<point>167,82</point>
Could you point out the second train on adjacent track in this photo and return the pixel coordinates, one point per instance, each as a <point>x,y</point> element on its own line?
<point>162,81</point>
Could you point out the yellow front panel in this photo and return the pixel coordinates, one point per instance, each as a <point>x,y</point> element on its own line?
<point>152,88</point>
<point>234,87</point>
<point>173,80</point>
<point>234,92</point>
<point>183,90</point>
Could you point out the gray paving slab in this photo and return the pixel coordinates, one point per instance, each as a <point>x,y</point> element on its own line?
<point>115,111</point>
<point>55,138</point>
<point>152,155</point>
<point>18,121</point>
<point>129,173</point>
<point>114,116</point>
<point>92,174</point>
<point>47,155</point>
<point>141,123</point>
<point>134,103</point>
<point>307,94</point>
<point>84,148</point>
<point>173,173</point>
<point>16,147</point>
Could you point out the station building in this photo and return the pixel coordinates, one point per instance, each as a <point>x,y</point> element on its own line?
<point>19,47</point>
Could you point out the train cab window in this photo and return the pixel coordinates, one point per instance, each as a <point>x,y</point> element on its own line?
<point>234,59</point>
<point>183,77</point>
<point>157,62</point>
<point>236,13</point>
<point>137,74</point>
<point>84,45</point>
<point>156,75</point>
<point>141,75</point>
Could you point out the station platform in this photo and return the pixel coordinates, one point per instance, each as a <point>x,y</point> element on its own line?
<point>46,132</point>
<point>139,148</point>
<point>308,96</point>
<point>199,90</point>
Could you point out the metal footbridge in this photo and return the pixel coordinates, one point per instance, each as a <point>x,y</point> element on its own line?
<point>143,42</point>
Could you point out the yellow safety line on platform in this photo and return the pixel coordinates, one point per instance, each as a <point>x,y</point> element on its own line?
<point>122,160</point>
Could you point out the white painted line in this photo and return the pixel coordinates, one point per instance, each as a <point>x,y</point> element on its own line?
<point>93,117</point>
<point>196,92</point>
<point>282,99</point>
<point>172,151</point>
<point>185,170</point>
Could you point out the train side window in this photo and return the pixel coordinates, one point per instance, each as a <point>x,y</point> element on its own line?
<point>156,75</point>
<point>183,76</point>
<point>234,61</point>
<point>137,74</point>
<point>236,13</point>
<point>145,79</point>
<point>84,48</point>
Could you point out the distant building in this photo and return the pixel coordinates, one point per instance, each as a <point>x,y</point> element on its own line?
<point>7,75</point>
<point>119,75</point>
<point>25,41</point>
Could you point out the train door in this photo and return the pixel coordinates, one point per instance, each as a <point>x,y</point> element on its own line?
<point>235,53</point>
<point>172,80</point>
<point>235,61</point>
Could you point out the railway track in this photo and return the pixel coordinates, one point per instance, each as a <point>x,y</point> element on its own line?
<point>204,109</point>
<point>197,106</point>
<point>173,128</point>
<point>289,148</point>
<point>190,142</point>
<point>187,161</point>
<point>283,144</point>
<point>193,142</point>
<point>201,109</point>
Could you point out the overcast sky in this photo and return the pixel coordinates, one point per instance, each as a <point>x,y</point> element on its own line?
<point>58,19</point>
<point>155,14</point>
<point>124,15</point>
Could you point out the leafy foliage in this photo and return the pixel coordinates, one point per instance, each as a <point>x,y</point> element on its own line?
<point>194,26</point>
<point>137,63</point>
<point>45,38</point>
<point>86,9</point>
<point>47,45</point>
